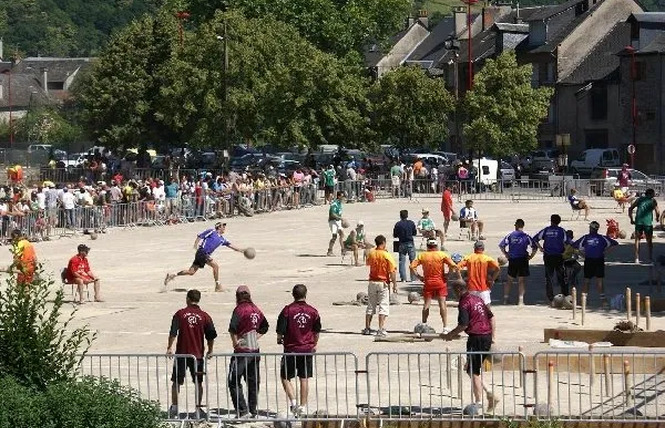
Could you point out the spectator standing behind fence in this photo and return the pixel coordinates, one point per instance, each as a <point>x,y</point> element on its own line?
<point>298,328</point>
<point>78,272</point>
<point>477,321</point>
<point>554,244</point>
<point>329,183</point>
<point>191,326</point>
<point>68,201</point>
<point>24,261</point>
<point>246,327</point>
<point>404,231</point>
<point>396,172</point>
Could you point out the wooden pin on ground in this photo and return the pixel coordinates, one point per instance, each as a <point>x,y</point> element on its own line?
<point>573,293</point>
<point>637,309</point>
<point>629,303</point>
<point>647,311</point>
<point>583,307</point>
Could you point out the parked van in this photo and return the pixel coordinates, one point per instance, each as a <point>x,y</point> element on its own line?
<point>488,171</point>
<point>595,158</point>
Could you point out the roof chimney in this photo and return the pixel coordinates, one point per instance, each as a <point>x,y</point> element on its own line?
<point>459,14</point>
<point>410,22</point>
<point>45,78</point>
<point>423,18</point>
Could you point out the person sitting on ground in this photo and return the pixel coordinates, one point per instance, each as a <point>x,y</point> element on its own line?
<point>622,197</point>
<point>428,229</point>
<point>468,217</point>
<point>358,240</point>
<point>577,203</point>
<point>79,273</point>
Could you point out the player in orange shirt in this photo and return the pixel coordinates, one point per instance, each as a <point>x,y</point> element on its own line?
<point>482,271</point>
<point>25,259</point>
<point>433,262</point>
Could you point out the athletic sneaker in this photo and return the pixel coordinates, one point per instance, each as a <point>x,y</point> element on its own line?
<point>367,332</point>
<point>637,261</point>
<point>169,278</point>
<point>382,333</point>
<point>330,253</point>
<point>445,330</point>
<point>297,411</point>
<point>173,412</point>
<point>492,401</point>
<point>201,414</point>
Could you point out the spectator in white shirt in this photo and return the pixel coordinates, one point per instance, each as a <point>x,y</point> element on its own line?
<point>68,203</point>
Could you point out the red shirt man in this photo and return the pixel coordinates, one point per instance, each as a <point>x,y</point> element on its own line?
<point>78,272</point>
<point>447,203</point>
<point>191,326</point>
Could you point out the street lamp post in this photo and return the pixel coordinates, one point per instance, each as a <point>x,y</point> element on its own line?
<point>469,3</point>
<point>225,86</point>
<point>452,44</point>
<point>633,104</point>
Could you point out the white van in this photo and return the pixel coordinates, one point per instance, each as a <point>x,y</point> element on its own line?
<point>595,158</point>
<point>488,171</point>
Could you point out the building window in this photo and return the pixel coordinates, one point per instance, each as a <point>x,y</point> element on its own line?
<point>596,138</point>
<point>598,101</point>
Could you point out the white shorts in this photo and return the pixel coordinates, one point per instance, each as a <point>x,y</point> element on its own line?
<point>335,226</point>
<point>485,295</point>
<point>395,180</point>
<point>378,294</point>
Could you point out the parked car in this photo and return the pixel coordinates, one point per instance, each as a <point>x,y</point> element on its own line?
<point>595,158</point>
<point>506,171</point>
<point>639,181</point>
<point>74,160</point>
<point>40,148</point>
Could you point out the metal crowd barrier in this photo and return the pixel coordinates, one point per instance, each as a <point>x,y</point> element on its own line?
<point>435,385</point>
<point>151,376</point>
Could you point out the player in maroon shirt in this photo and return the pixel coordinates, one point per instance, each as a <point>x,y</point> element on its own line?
<point>190,325</point>
<point>476,319</point>
<point>298,328</point>
<point>246,327</point>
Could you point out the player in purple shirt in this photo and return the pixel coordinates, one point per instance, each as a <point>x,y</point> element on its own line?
<point>554,243</point>
<point>521,249</point>
<point>298,328</point>
<point>593,246</point>
<point>206,243</point>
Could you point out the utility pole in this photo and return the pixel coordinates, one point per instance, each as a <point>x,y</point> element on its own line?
<point>226,86</point>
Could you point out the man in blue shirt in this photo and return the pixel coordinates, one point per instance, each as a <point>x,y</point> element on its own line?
<point>518,255</point>
<point>206,243</point>
<point>592,246</point>
<point>554,242</point>
<point>404,231</point>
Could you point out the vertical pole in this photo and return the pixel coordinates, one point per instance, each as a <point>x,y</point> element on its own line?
<point>633,75</point>
<point>637,309</point>
<point>629,303</point>
<point>449,371</point>
<point>583,307</point>
<point>470,59</point>
<point>11,118</point>
<point>573,293</point>
<point>226,86</point>
<point>628,383</point>
<point>592,367</point>
<point>608,378</point>
<point>520,349</point>
<point>550,385</point>
<point>647,311</point>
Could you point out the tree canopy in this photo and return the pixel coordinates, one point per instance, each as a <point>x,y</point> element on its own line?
<point>503,110</point>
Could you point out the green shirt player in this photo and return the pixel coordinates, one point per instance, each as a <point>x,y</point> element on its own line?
<point>643,221</point>
<point>357,240</point>
<point>329,182</point>
<point>395,178</point>
<point>335,223</point>
<point>428,229</point>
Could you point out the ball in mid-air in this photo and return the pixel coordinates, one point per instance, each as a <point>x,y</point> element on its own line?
<point>413,297</point>
<point>93,235</point>
<point>345,223</point>
<point>249,253</point>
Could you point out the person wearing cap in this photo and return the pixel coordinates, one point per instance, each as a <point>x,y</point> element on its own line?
<point>644,207</point>
<point>24,257</point>
<point>482,271</point>
<point>205,244</point>
<point>477,320</point>
<point>593,247</point>
<point>78,272</point>
<point>624,176</point>
<point>335,224</point>
<point>191,326</point>
<point>246,327</point>
<point>428,229</point>
<point>554,244</point>
<point>329,182</point>
<point>521,249</point>
<point>357,240</point>
<point>433,262</point>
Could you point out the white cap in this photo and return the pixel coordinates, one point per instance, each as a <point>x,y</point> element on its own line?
<point>361,223</point>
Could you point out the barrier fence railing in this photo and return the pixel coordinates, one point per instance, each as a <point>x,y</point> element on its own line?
<point>588,386</point>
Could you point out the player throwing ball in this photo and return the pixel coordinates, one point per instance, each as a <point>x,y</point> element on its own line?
<point>206,243</point>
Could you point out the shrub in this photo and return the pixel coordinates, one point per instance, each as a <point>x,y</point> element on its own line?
<point>35,345</point>
<point>84,403</point>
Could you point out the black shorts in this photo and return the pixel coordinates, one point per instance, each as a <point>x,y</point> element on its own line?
<point>181,364</point>
<point>477,343</point>
<point>518,267</point>
<point>594,268</point>
<point>329,190</point>
<point>643,228</point>
<point>201,258</point>
<point>302,365</point>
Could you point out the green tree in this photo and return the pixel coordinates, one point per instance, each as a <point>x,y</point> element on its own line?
<point>46,126</point>
<point>336,26</point>
<point>410,109</point>
<point>503,111</point>
<point>37,346</point>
